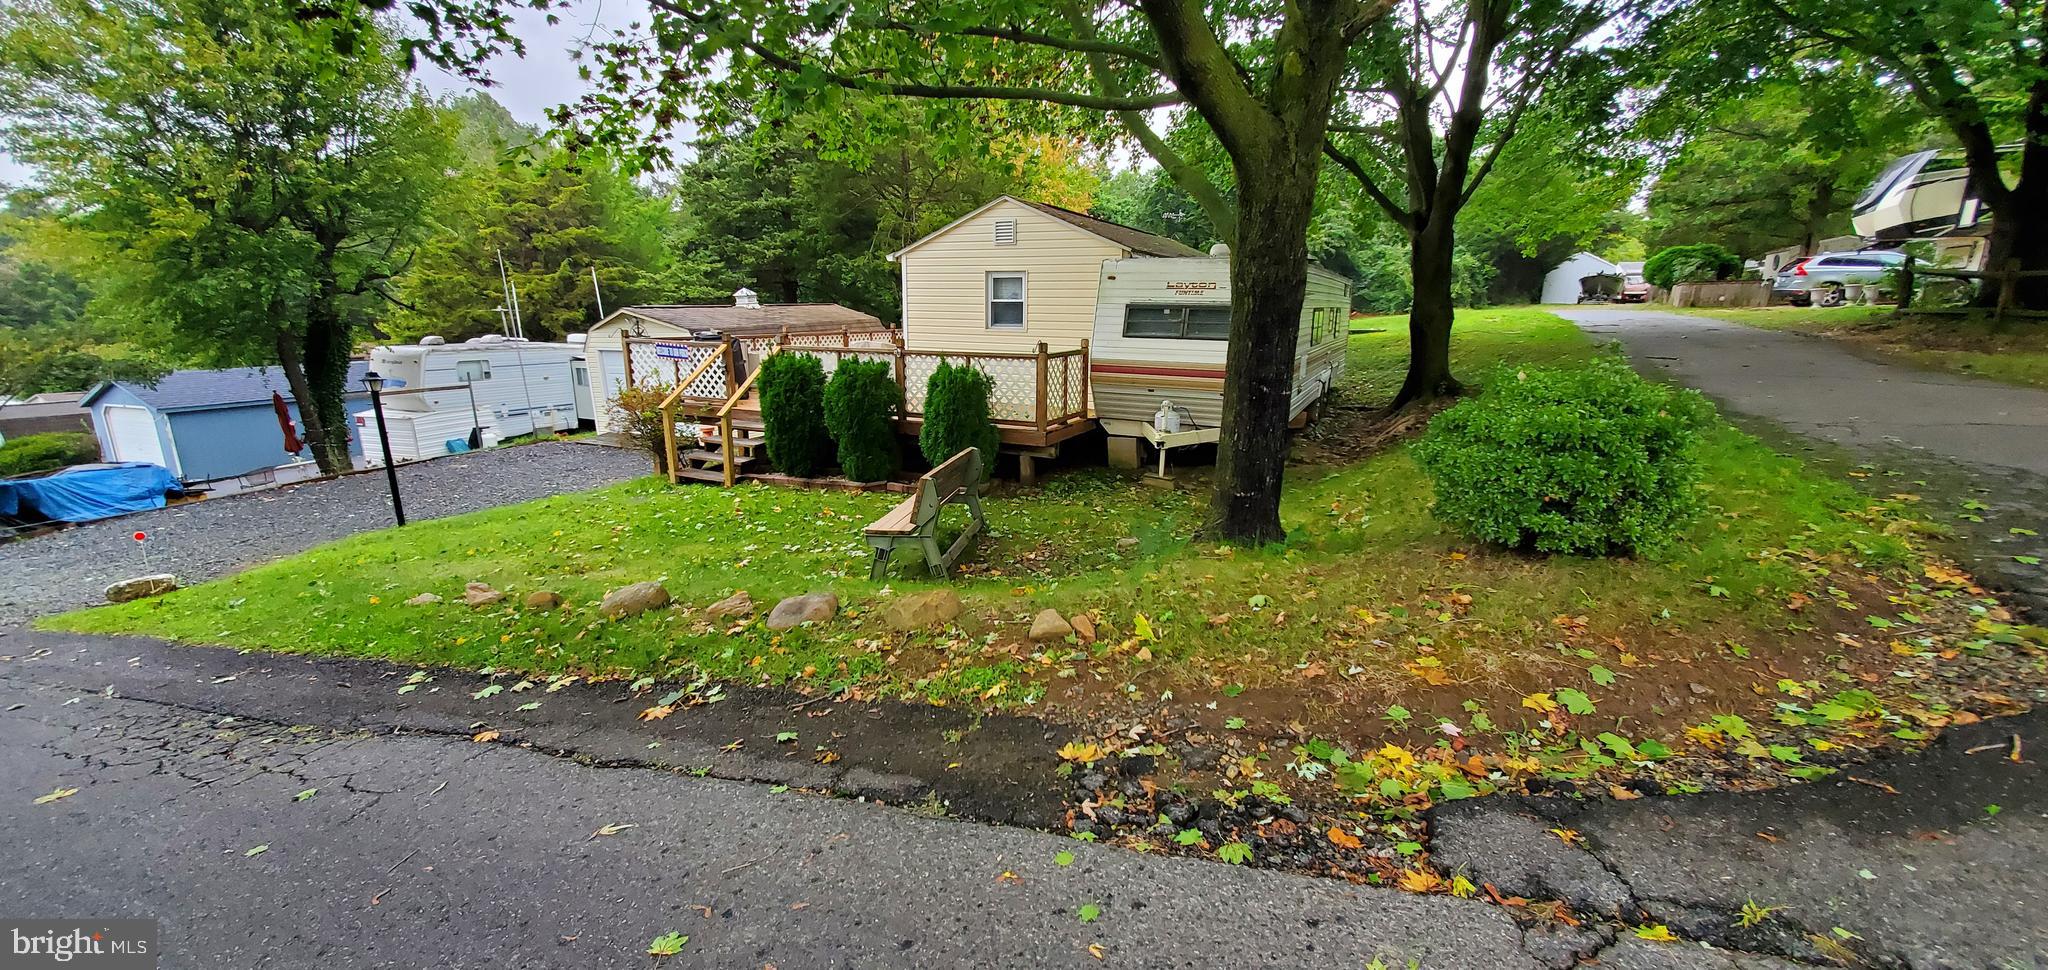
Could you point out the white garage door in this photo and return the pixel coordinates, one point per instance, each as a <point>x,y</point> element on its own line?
<point>132,432</point>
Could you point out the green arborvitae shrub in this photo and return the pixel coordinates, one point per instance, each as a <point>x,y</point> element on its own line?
<point>42,452</point>
<point>956,415</point>
<point>1682,264</point>
<point>793,414</point>
<point>1590,460</point>
<point>861,404</point>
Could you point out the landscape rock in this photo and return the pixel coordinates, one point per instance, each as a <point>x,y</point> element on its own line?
<point>738,606</point>
<point>918,611</point>
<point>808,608</point>
<point>141,587</point>
<point>634,600</point>
<point>1050,625</point>
<point>543,599</point>
<point>480,594</point>
<point>1084,627</point>
<point>424,599</point>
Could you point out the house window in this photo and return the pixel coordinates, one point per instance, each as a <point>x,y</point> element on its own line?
<point>1006,301</point>
<point>1006,232</point>
<point>582,377</point>
<point>1325,323</point>
<point>1177,322</point>
<point>472,371</point>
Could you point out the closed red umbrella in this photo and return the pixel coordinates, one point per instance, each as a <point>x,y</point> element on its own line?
<point>292,444</point>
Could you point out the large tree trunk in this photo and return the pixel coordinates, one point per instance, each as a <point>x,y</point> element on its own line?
<point>2019,232</point>
<point>1268,277</point>
<point>1429,316</point>
<point>291,360</point>
<point>329,341</point>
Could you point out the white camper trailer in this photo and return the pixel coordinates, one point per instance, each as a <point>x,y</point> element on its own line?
<point>1925,195</point>
<point>443,396</point>
<point>1162,332</point>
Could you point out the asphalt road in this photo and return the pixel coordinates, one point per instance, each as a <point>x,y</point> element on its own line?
<point>432,851</point>
<point>1975,449</point>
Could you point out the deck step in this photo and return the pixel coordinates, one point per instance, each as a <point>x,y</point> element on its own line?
<point>715,456</point>
<point>738,441</point>
<point>701,475</point>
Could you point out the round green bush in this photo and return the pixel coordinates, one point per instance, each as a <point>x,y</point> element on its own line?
<point>793,414</point>
<point>861,404</point>
<point>1699,261</point>
<point>956,415</point>
<point>43,452</point>
<point>1587,460</point>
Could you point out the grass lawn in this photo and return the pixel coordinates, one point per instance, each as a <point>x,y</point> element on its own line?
<point>2015,352</point>
<point>1799,619</point>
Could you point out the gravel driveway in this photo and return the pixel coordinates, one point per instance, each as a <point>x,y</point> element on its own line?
<point>206,540</point>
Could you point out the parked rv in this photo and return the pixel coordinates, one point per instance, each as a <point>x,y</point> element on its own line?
<point>445,397</point>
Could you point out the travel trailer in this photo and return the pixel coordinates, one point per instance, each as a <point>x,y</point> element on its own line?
<point>444,397</point>
<point>1151,313</point>
<point>1162,330</point>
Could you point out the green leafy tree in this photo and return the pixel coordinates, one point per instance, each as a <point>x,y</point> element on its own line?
<point>861,405</point>
<point>1448,88</point>
<point>247,176</point>
<point>554,217</point>
<point>1698,261</point>
<point>1264,78</point>
<point>1974,68</point>
<point>956,415</point>
<point>793,413</point>
<point>1780,166</point>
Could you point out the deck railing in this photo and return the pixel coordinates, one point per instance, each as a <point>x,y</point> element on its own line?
<point>1043,390</point>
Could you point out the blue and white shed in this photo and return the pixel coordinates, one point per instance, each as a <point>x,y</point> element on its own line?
<point>206,425</point>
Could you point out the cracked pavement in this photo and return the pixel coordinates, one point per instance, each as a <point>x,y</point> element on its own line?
<point>420,847</point>
<point>431,851</point>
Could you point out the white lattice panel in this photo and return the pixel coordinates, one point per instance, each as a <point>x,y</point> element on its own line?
<point>1066,387</point>
<point>917,378</point>
<point>1015,397</point>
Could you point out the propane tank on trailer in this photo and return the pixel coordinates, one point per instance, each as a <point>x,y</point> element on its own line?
<point>1166,420</point>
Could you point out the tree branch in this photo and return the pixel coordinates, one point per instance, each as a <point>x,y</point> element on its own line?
<point>1401,217</point>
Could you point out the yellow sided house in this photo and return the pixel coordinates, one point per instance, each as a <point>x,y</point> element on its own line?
<point>1151,314</point>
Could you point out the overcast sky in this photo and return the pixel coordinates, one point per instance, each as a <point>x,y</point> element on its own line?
<point>544,78</point>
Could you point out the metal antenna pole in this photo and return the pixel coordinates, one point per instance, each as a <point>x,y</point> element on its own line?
<point>595,290</point>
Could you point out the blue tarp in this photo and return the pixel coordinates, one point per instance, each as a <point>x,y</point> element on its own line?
<point>87,493</point>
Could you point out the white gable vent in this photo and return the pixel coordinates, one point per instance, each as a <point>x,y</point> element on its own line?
<point>1006,232</point>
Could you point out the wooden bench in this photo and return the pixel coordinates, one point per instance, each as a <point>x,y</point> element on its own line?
<point>915,521</point>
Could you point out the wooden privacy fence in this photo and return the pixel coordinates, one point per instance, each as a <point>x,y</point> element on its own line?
<point>2006,278</point>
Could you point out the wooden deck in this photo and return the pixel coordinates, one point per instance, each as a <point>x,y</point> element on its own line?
<point>1037,401</point>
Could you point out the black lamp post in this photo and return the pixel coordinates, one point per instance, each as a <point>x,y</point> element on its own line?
<point>375,382</point>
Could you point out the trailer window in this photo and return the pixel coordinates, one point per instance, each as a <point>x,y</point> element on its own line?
<point>471,371</point>
<point>1325,323</point>
<point>1177,322</point>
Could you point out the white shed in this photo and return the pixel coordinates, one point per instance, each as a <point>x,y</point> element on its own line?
<point>1561,285</point>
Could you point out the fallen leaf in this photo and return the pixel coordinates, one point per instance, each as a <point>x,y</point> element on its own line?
<point>259,850</point>
<point>657,712</point>
<point>1343,839</point>
<point>482,736</point>
<point>613,828</point>
<point>53,796</point>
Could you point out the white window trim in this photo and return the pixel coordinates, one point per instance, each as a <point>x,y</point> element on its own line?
<point>988,301</point>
